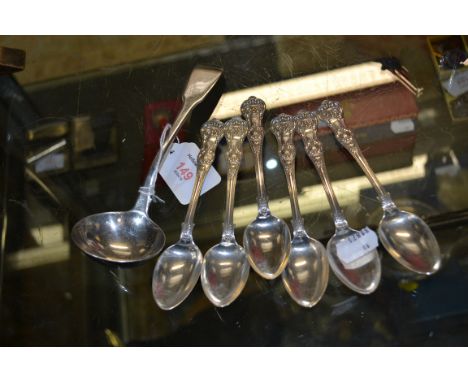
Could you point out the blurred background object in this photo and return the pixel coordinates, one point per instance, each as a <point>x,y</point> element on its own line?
<point>11,60</point>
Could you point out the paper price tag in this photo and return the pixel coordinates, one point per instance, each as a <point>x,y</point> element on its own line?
<point>356,250</point>
<point>179,170</point>
<point>402,126</point>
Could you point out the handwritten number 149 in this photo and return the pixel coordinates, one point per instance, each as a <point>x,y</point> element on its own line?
<point>184,171</point>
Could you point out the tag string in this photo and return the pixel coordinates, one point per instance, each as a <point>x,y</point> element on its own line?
<point>164,133</point>
<point>152,193</point>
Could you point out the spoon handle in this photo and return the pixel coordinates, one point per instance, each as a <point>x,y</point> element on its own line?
<point>306,126</point>
<point>252,110</point>
<point>283,127</point>
<point>235,131</point>
<point>211,132</point>
<point>332,113</point>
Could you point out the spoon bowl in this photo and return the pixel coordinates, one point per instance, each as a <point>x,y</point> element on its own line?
<point>224,273</point>
<point>267,240</point>
<point>306,276</point>
<point>176,273</point>
<point>120,237</point>
<point>362,276</point>
<point>410,241</point>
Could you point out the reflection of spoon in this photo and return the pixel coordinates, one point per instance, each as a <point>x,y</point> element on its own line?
<point>267,238</point>
<point>225,267</point>
<point>363,274</point>
<point>131,236</point>
<point>178,268</point>
<point>404,235</point>
<point>306,275</point>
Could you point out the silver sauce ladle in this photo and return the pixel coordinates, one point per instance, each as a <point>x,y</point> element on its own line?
<point>131,236</point>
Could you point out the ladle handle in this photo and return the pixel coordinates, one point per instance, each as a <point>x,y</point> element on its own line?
<point>331,112</point>
<point>306,126</point>
<point>146,192</point>
<point>211,132</point>
<point>283,128</point>
<point>235,131</point>
<point>150,180</point>
<point>252,110</point>
<point>199,84</point>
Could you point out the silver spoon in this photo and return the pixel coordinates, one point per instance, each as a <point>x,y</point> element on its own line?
<point>178,268</point>
<point>404,235</point>
<point>306,275</point>
<point>267,238</point>
<point>225,268</point>
<point>363,274</point>
<point>131,236</point>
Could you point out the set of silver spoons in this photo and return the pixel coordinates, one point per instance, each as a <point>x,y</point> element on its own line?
<point>302,262</point>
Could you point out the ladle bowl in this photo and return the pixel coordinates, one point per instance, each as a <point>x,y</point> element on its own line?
<point>120,237</point>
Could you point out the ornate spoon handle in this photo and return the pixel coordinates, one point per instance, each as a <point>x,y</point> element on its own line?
<point>306,126</point>
<point>283,127</point>
<point>235,131</point>
<point>331,112</point>
<point>252,110</point>
<point>211,132</point>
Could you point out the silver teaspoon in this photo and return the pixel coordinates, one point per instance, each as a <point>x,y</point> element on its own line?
<point>306,275</point>
<point>178,268</point>
<point>267,238</point>
<point>404,235</point>
<point>225,268</point>
<point>363,273</point>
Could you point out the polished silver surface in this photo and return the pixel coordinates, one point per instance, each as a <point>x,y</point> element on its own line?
<point>267,238</point>
<point>364,277</point>
<point>225,268</point>
<point>410,241</point>
<point>267,241</point>
<point>177,271</point>
<point>120,236</point>
<point>404,235</point>
<point>178,268</point>
<point>306,275</point>
<point>131,236</point>
<point>225,272</point>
